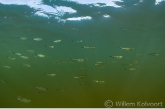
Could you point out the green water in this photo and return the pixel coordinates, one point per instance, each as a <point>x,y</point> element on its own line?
<point>140,27</point>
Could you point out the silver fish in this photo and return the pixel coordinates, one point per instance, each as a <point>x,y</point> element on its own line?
<point>61,60</point>
<point>78,59</point>
<point>89,47</point>
<point>19,54</point>
<point>57,41</point>
<point>6,66</point>
<point>42,89</point>
<point>11,58</point>
<point>117,57</point>
<point>80,76</point>
<point>131,69</point>
<point>41,55</point>
<point>37,39</point>
<point>78,41</point>
<point>126,49</point>
<point>98,81</point>
<point>127,64</point>
<point>99,63</point>
<point>23,100</point>
<point>24,57</point>
<point>26,65</point>
<point>153,54</point>
<point>50,74</point>
<point>23,38</point>
<point>51,46</point>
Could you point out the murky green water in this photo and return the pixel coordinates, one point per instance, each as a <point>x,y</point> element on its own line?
<point>140,27</point>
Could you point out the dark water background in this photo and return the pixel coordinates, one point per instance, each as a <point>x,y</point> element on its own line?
<point>141,27</point>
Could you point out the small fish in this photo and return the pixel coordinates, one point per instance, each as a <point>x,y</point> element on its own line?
<point>99,63</point>
<point>131,69</point>
<point>78,41</point>
<point>127,64</point>
<point>26,65</point>
<point>50,74</point>
<point>4,81</point>
<point>117,57</point>
<point>50,46</point>
<point>7,67</point>
<point>153,54</point>
<point>23,100</point>
<point>78,59</point>
<point>57,41</point>
<point>19,54</point>
<point>60,61</point>
<point>42,89</point>
<point>106,15</point>
<point>97,81</point>
<point>89,47</point>
<point>37,39</point>
<point>23,38</point>
<point>80,76</point>
<point>41,55</point>
<point>11,58</point>
<point>31,51</point>
<point>126,49</point>
<point>24,57</point>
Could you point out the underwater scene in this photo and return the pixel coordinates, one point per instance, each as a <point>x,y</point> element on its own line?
<point>82,53</point>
